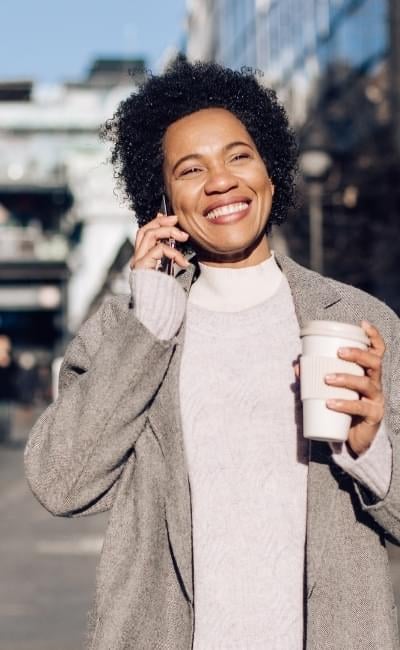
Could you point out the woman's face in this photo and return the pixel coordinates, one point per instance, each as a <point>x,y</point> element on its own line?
<point>219,187</point>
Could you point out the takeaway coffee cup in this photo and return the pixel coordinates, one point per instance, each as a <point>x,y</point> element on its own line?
<point>320,343</point>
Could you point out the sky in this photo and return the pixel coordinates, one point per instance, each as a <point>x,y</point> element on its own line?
<point>56,40</point>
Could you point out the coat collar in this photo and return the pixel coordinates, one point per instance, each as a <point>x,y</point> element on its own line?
<point>313,295</point>
<point>310,290</point>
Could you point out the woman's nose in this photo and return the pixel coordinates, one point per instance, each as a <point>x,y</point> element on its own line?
<point>220,179</point>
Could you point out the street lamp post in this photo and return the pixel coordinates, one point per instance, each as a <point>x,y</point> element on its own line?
<point>315,166</point>
<point>316,216</point>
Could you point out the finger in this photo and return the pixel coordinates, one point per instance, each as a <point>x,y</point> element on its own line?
<point>370,412</point>
<point>159,220</point>
<point>365,358</point>
<point>377,342</point>
<point>363,385</point>
<point>152,257</point>
<point>176,256</point>
<point>151,237</point>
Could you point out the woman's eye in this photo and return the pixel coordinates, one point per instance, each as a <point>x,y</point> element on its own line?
<point>190,170</point>
<point>241,156</point>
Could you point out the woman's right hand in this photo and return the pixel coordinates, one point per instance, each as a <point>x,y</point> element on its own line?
<point>150,245</point>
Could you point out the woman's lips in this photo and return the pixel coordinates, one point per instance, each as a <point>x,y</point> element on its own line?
<point>230,217</point>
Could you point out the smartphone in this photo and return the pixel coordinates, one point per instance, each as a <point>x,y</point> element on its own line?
<point>167,265</point>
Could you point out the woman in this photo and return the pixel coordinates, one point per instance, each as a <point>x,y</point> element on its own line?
<point>178,410</point>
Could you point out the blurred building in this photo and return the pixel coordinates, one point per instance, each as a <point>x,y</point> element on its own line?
<point>223,31</point>
<point>202,38</point>
<point>336,66</point>
<point>61,225</point>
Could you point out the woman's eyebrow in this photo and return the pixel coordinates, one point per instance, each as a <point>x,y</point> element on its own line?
<point>237,143</point>
<point>189,156</point>
<point>227,147</point>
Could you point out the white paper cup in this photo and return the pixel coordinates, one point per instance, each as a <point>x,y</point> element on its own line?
<point>320,343</point>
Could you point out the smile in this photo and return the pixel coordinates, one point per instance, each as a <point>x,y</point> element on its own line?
<point>226,210</point>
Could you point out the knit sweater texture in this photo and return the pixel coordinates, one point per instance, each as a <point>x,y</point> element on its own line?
<point>247,465</point>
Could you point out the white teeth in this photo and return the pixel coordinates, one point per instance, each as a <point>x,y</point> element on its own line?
<point>226,209</point>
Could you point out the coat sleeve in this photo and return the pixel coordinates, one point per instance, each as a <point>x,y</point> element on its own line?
<point>386,511</point>
<point>78,448</point>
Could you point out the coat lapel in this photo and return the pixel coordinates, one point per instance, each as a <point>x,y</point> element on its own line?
<point>313,297</point>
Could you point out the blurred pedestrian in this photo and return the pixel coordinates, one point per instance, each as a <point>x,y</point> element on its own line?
<point>8,373</point>
<point>28,380</point>
<point>177,407</point>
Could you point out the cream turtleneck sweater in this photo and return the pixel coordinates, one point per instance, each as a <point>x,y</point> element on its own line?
<point>229,289</point>
<point>246,458</point>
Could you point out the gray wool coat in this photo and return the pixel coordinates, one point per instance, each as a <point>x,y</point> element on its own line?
<point>113,440</point>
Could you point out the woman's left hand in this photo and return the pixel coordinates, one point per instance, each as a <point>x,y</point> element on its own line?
<point>368,411</point>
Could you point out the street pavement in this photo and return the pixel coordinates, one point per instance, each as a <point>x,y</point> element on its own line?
<point>47,564</point>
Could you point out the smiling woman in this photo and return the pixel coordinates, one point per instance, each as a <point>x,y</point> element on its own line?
<point>139,127</point>
<point>179,410</point>
<point>215,177</point>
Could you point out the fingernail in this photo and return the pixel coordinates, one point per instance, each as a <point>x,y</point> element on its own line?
<point>330,377</point>
<point>332,403</point>
<point>344,351</point>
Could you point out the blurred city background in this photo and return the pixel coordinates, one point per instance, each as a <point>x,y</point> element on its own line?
<point>66,237</point>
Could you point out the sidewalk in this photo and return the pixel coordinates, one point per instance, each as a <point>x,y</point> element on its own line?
<point>47,564</point>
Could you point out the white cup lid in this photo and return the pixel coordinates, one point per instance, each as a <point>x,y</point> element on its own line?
<point>336,329</point>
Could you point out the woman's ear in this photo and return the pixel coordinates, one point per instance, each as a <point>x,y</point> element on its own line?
<point>272,186</point>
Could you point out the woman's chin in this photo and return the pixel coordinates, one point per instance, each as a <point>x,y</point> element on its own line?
<point>221,255</point>
<point>232,252</point>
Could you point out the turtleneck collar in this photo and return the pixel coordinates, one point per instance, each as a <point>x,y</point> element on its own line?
<point>228,289</point>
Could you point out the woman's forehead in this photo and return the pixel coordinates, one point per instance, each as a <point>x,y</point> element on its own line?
<point>210,127</point>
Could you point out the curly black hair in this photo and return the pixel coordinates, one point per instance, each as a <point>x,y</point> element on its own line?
<point>139,125</point>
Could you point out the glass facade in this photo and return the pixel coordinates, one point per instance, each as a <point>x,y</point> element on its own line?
<point>357,33</point>
<point>281,36</point>
<point>353,33</point>
<point>236,33</point>
<point>334,65</point>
